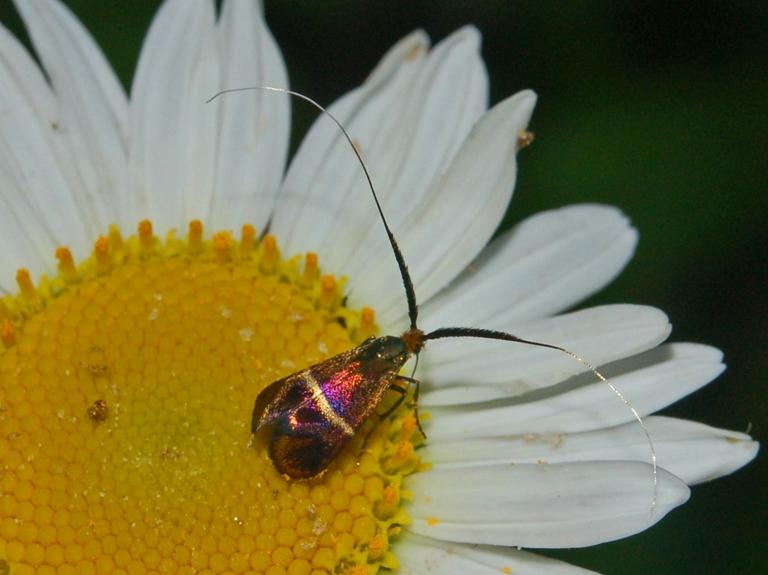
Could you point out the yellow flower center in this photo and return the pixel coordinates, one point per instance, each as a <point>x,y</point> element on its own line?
<point>126,389</point>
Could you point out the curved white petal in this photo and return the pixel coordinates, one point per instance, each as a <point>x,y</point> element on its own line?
<point>423,555</point>
<point>466,370</point>
<point>252,128</point>
<point>650,381</point>
<point>542,266</point>
<point>38,206</point>
<point>324,181</point>
<point>24,245</point>
<point>172,144</point>
<point>691,451</point>
<point>462,209</point>
<point>546,506</point>
<point>92,109</point>
<point>433,122</point>
<point>408,120</point>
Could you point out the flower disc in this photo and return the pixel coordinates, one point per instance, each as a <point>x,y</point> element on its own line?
<point>127,389</point>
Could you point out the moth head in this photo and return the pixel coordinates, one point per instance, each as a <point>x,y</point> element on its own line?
<point>389,349</point>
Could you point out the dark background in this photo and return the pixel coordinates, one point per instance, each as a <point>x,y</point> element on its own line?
<point>658,107</point>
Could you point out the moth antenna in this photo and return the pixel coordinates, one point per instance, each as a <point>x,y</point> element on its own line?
<point>418,337</point>
<point>500,335</point>
<point>413,309</point>
<point>415,364</point>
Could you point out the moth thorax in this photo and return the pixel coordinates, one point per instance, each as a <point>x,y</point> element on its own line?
<point>413,340</point>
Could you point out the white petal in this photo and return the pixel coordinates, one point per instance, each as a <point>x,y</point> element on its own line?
<point>462,209</point>
<point>324,180</point>
<point>23,244</point>
<point>408,119</point>
<point>38,209</point>
<point>199,121</point>
<point>562,505</point>
<point>92,108</point>
<point>423,555</point>
<point>252,128</point>
<point>650,381</point>
<point>465,370</point>
<point>542,266</point>
<point>692,451</point>
<point>172,144</point>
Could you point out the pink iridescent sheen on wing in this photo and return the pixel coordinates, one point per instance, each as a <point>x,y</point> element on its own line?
<point>342,388</point>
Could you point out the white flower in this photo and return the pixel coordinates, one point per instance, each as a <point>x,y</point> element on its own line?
<point>525,449</point>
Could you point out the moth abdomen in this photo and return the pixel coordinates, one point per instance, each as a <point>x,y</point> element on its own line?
<point>302,456</point>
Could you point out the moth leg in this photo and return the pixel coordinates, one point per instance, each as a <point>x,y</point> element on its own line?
<point>403,394</point>
<point>402,391</point>
<point>416,387</point>
<point>382,416</point>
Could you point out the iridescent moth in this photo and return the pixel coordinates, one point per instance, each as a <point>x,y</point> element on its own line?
<point>311,415</point>
<point>315,412</point>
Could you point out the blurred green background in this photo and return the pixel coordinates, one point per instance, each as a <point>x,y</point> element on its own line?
<point>657,107</point>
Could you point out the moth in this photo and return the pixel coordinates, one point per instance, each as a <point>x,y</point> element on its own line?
<point>311,415</point>
<point>315,412</point>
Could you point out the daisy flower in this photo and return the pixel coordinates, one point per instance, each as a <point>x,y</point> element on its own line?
<point>160,267</point>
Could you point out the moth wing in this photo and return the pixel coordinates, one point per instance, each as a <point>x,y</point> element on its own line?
<point>354,384</point>
<point>286,395</point>
<point>261,413</point>
<point>281,399</point>
<point>305,437</point>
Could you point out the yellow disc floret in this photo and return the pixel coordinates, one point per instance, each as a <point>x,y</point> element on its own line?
<point>126,389</point>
